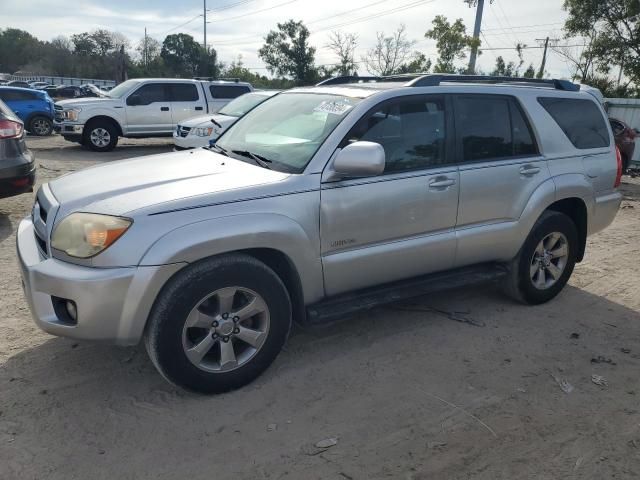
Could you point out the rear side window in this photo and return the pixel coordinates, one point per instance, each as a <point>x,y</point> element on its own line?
<point>183,92</point>
<point>228,91</point>
<point>580,120</point>
<point>492,127</point>
<point>13,95</point>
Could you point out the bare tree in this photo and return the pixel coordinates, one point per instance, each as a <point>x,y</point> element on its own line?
<point>344,46</point>
<point>580,60</point>
<point>389,53</point>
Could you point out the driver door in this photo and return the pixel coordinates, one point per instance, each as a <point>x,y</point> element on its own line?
<point>399,224</point>
<point>149,110</point>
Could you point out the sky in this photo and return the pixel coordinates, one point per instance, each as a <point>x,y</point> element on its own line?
<point>238,27</point>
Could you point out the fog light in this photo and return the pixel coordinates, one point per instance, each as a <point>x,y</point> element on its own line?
<point>72,310</point>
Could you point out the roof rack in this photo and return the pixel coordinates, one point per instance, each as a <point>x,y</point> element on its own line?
<point>211,79</point>
<point>433,80</point>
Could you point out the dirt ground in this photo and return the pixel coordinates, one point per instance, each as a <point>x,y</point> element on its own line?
<point>463,385</point>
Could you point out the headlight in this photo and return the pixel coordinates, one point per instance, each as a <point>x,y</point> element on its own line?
<point>85,235</point>
<point>72,114</point>
<point>203,131</point>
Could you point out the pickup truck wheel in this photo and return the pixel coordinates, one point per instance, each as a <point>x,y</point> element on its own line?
<point>218,324</point>
<point>40,126</point>
<point>100,136</point>
<point>546,260</point>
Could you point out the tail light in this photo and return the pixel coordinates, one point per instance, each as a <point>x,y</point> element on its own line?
<point>10,129</point>
<point>619,172</point>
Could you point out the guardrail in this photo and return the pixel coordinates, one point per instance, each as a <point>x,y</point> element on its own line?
<point>63,80</point>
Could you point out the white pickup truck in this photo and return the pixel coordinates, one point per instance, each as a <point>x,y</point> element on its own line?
<point>138,108</point>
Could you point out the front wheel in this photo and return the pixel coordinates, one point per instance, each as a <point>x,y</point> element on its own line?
<point>545,262</point>
<point>218,324</point>
<point>100,136</point>
<point>40,126</point>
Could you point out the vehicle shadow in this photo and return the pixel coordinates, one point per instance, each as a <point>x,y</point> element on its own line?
<point>6,227</point>
<point>66,398</point>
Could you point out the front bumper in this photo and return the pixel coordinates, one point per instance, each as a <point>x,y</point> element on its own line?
<point>191,141</point>
<point>68,129</point>
<point>113,304</point>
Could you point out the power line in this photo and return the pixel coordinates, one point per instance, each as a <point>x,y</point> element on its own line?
<point>178,26</point>
<point>533,47</point>
<point>230,5</point>
<point>228,19</point>
<point>517,27</point>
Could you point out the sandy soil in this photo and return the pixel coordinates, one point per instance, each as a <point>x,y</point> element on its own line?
<point>407,391</point>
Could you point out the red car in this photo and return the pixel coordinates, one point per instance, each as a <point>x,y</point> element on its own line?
<point>625,140</point>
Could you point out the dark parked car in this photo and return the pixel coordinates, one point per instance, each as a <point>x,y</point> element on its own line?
<point>70,91</point>
<point>17,166</point>
<point>18,83</point>
<point>625,140</point>
<point>34,107</point>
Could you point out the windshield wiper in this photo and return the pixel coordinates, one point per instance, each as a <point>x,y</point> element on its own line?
<point>216,123</point>
<point>219,149</point>
<point>259,159</point>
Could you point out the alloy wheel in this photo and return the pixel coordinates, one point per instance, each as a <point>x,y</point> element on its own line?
<point>549,260</point>
<point>226,329</point>
<point>100,137</point>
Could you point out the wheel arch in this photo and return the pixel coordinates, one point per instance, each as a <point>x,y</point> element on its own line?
<point>576,209</point>
<point>104,118</point>
<point>32,115</point>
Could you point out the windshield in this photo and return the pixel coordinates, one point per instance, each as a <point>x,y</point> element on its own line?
<point>242,104</point>
<point>122,89</point>
<point>288,129</point>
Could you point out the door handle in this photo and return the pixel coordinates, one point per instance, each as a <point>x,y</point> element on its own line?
<point>442,182</point>
<point>164,109</point>
<point>198,108</point>
<point>529,170</point>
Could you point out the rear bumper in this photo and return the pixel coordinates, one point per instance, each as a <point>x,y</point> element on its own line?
<point>605,211</point>
<point>17,175</point>
<point>112,303</point>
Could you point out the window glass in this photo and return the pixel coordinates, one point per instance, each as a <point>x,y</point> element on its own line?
<point>484,126</point>
<point>14,95</point>
<point>228,91</point>
<point>523,143</point>
<point>183,92</point>
<point>411,131</point>
<point>580,120</point>
<point>242,104</point>
<point>150,93</point>
<point>288,129</point>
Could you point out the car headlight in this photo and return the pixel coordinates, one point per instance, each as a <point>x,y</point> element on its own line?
<point>85,235</point>
<point>72,114</point>
<point>203,131</point>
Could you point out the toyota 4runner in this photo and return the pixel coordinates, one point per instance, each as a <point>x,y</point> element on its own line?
<point>316,203</point>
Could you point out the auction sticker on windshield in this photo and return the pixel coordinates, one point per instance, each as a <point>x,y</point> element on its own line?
<point>336,107</point>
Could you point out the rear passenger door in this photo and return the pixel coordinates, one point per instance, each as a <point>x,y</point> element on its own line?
<point>500,168</point>
<point>399,224</point>
<point>185,101</point>
<point>223,94</point>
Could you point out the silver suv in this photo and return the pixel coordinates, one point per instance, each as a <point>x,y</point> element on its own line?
<point>318,202</point>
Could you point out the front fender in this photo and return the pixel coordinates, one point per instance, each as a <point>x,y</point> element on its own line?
<point>207,238</point>
<point>115,115</point>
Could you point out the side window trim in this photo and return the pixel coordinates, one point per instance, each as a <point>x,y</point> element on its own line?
<point>458,133</point>
<point>449,143</point>
<point>166,94</point>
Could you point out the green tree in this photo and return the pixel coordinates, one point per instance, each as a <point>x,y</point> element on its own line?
<point>418,63</point>
<point>287,52</point>
<point>451,41</point>
<point>530,72</point>
<point>182,54</point>
<point>17,48</point>
<point>612,28</point>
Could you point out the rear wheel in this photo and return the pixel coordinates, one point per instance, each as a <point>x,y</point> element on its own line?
<point>100,136</point>
<point>40,126</point>
<point>546,260</point>
<point>219,324</point>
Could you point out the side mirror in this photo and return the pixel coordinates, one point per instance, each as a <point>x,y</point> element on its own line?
<point>134,100</point>
<point>360,159</point>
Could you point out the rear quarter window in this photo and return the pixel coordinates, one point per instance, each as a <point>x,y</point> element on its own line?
<point>580,120</point>
<point>228,91</point>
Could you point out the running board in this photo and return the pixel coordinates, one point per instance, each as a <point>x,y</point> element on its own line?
<point>350,303</point>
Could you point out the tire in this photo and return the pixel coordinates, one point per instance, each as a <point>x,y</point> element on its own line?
<point>40,126</point>
<point>525,282</point>
<point>100,136</point>
<point>195,296</point>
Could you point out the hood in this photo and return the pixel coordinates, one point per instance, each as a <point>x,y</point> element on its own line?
<point>205,121</point>
<point>157,182</point>
<point>79,102</point>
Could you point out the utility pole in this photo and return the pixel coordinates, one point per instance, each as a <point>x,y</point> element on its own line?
<point>476,36</point>
<point>544,57</point>
<point>204,15</point>
<point>145,55</point>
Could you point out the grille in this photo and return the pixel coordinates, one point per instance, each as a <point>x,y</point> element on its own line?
<point>58,113</point>
<point>183,131</point>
